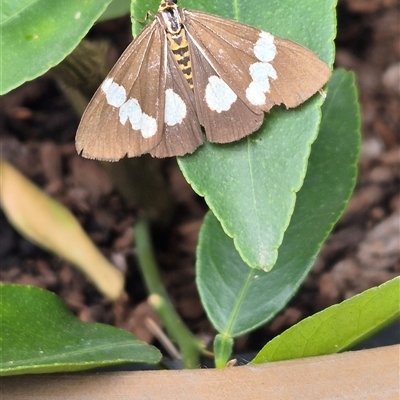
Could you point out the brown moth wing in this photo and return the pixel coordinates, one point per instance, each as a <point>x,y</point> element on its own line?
<point>302,75</point>
<point>102,134</point>
<point>185,135</point>
<point>229,48</point>
<point>223,126</point>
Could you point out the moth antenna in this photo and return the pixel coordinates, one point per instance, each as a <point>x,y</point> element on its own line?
<point>143,21</point>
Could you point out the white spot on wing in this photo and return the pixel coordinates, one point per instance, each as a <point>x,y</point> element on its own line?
<point>139,120</point>
<point>77,15</point>
<point>175,108</point>
<point>264,49</point>
<point>219,96</point>
<point>261,72</point>
<point>255,95</point>
<point>131,110</point>
<point>148,126</point>
<point>115,94</point>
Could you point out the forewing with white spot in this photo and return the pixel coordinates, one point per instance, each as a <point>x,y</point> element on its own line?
<point>126,114</point>
<point>262,70</point>
<point>223,114</point>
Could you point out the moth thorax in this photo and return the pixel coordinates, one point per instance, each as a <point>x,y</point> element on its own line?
<point>180,49</point>
<point>171,19</point>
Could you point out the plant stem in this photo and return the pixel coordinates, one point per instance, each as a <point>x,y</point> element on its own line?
<point>190,346</point>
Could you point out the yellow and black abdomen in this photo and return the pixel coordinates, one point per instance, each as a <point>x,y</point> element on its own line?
<point>180,49</point>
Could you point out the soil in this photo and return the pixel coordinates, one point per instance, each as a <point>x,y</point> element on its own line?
<point>38,128</point>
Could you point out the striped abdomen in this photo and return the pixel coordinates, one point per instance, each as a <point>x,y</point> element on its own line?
<point>180,49</point>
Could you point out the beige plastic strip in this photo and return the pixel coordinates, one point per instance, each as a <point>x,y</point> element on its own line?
<point>366,374</point>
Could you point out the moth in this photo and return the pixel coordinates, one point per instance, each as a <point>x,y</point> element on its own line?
<point>187,70</point>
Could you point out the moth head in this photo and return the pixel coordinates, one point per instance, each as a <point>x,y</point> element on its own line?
<point>167,4</point>
<point>169,16</point>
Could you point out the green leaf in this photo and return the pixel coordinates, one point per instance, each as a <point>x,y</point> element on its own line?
<point>116,9</point>
<point>338,327</point>
<point>238,299</point>
<point>251,185</point>
<point>140,16</point>
<point>39,335</point>
<point>38,34</point>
